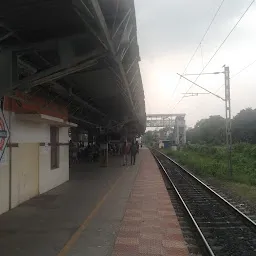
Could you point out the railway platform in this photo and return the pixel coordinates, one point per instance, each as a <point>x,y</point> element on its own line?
<point>113,211</point>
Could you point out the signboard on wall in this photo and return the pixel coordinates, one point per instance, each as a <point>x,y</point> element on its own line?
<point>4,134</point>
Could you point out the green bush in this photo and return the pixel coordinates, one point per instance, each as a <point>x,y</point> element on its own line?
<point>206,160</point>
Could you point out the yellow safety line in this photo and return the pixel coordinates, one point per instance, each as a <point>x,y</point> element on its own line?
<point>79,231</point>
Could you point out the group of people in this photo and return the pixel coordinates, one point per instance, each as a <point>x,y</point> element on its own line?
<point>114,149</point>
<point>79,151</point>
<point>91,152</point>
<point>132,149</point>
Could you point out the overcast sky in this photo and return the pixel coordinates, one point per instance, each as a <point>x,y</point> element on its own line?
<point>168,33</point>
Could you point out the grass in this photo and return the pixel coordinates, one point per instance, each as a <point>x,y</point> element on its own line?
<point>211,161</point>
<point>243,190</point>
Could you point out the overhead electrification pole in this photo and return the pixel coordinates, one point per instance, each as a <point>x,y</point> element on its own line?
<point>228,118</point>
<point>227,109</point>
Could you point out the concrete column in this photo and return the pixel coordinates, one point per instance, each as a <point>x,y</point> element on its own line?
<point>180,131</point>
<point>176,134</point>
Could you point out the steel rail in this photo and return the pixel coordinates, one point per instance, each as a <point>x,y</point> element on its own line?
<point>246,219</point>
<point>207,246</point>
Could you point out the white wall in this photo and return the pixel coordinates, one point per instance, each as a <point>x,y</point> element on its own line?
<point>51,178</point>
<point>4,182</point>
<point>29,132</point>
<point>25,172</point>
<point>4,178</point>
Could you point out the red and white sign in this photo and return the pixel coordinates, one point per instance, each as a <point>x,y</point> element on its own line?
<point>4,134</point>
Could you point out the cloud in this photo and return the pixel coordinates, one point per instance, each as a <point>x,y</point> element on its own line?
<point>168,33</point>
<point>167,26</point>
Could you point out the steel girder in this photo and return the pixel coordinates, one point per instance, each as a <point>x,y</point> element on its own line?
<point>109,43</point>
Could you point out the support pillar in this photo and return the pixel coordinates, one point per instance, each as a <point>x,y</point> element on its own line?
<point>179,131</point>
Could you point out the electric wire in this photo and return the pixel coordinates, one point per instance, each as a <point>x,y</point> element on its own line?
<point>220,46</point>
<point>200,43</point>
<point>238,73</point>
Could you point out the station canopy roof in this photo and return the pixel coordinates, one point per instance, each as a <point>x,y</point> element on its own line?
<point>80,53</point>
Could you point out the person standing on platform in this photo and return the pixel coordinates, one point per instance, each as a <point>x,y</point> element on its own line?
<point>125,151</point>
<point>133,151</point>
<point>138,146</point>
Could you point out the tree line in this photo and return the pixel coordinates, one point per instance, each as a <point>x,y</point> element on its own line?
<point>212,130</point>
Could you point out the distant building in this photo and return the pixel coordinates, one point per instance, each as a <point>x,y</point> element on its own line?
<point>161,144</point>
<point>164,144</point>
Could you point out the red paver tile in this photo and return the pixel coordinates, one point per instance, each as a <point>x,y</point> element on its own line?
<point>155,236</point>
<point>121,254</point>
<point>150,242</point>
<point>173,244</point>
<point>131,228</point>
<point>123,248</point>
<point>150,226</point>
<point>168,214</point>
<point>127,240</point>
<point>130,211</point>
<point>165,208</point>
<point>151,223</point>
<point>173,237</point>
<point>171,231</point>
<point>176,252</point>
<point>132,218</point>
<point>130,214</point>
<point>150,229</point>
<point>169,225</point>
<point>151,250</point>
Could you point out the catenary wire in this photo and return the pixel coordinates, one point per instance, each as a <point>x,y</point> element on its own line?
<point>198,46</point>
<point>238,73</point>
<point>215,53</point>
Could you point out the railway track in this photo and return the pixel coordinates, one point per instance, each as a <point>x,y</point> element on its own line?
<point>222,229</point>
